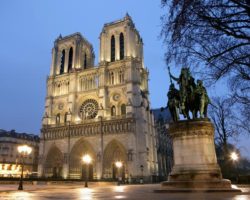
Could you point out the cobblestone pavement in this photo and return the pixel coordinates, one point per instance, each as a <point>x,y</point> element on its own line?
<point>95,192</point>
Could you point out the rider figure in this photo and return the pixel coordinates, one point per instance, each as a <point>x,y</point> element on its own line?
<point>173,101</point>
<point>183,82</point>
<point>203,97</point>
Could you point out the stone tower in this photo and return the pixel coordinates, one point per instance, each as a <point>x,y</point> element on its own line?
<point>103,110</point>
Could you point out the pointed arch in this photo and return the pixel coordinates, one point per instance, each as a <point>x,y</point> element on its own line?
<point>54,162</point>
<point>70,63</point>
<point>62,62</point>
<point>123,109</point>
<point>58,118</point>
<point>113,111</point>
<point>114,151</point>
<point>80,148</point>
<point>65,117</point>
<point>111,78</point>
<point>112,48</point>
<point>121,39</point>
<point>121,76</point>
<point>85,61</point>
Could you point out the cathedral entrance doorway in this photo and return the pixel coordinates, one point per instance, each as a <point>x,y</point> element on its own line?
<point>116,173</point>
<point>87,169</point>
<point>114,152</point>
<point>57,172</point>
<point>54,163</point>
<point>77,169</point>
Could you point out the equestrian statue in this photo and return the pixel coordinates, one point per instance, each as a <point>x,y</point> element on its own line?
<point>190,98</point>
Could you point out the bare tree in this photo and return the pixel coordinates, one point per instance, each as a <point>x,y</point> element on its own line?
<point>214,34</point>
<point>223,117</point>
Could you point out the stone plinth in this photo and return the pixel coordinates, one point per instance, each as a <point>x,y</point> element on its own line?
<point>195,163</point>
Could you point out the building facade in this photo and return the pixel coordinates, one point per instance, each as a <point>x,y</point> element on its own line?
<point>10,159</point>
<point>103,110</point>
<point>164,143</point>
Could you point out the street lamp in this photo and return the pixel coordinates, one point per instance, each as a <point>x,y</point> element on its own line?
<point>23,150</point>
<point>234,156</point>
<point>118,165</point>
<point>86,160</point>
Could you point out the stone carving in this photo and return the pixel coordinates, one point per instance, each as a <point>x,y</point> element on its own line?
<point>117,126</point>
<point>191,97</point>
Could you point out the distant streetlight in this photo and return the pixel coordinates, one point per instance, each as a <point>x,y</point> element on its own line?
<point>23,150</point>
<point>234,156</point>
<point>141,180</point>
<point>118,165</point>
<point>86,160</point>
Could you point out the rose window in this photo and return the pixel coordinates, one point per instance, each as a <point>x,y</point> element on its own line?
<point>89,109</point>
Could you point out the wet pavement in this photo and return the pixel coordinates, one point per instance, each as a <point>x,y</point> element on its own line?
<point>95,192</point>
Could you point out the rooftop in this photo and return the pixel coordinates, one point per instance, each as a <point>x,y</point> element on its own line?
<point>162,113</point>
<point>24,136</point>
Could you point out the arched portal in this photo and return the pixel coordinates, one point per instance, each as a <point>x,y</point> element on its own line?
<point>77,169</point>
<point>54,163</point>
<point>114,152</point>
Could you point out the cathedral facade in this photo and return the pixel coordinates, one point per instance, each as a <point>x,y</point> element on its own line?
<point>103,110</point>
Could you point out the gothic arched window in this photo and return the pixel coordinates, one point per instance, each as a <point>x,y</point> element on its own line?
<point>121,76</point>
<point>113,111</point>
<point>112,48</point>
<point>58,119</point>
<point>111,78</point>
<point>70,59</point>
<point>121,46</point>
<point>62,62</point>
<point>65,117</point>
<point>85,61</point>
<point>123,109</point>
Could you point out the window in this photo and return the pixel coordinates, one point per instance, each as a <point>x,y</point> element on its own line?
<point>121,76</point>
<point>121,46</point>
<point>62,62</point>
<point>70,59</point>
<point>58,119</point>
<point>111,78</point>
<point>123,109</point>
<point>113,111</point>
<point>112,48</point>
<point>65,117</point>
<point>85,61</point>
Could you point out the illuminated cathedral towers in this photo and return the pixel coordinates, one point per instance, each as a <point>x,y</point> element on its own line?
<point>103,110</point>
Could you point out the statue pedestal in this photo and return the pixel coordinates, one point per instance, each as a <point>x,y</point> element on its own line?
<point>195,163</point>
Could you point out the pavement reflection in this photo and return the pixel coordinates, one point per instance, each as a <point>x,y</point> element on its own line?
<point>86,194</point>
<point>119,188</point>
<point>108,192</point>
<point>241,197</point>
<point>20,195</point>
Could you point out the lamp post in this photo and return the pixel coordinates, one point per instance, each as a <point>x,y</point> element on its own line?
<point>141,180</point>
<point>23,150</point>
<point>234,157</point>
<point>118,165</point>
<point>86,160</point>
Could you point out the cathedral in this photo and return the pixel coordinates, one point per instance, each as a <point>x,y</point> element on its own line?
<point>102,111</point>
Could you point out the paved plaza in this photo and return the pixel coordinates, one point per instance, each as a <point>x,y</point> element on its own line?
<point>104,191</point>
